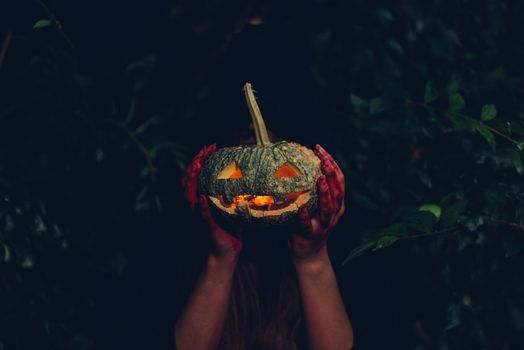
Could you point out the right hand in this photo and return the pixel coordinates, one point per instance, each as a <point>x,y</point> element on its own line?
<point>226,244</point>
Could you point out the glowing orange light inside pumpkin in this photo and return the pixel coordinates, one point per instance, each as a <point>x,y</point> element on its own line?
<point>256,200</point>
<point>243,198</point>
<point>232,171</point>
<point>237,174</point>
<point>287,170</point>
<point>263,200</point>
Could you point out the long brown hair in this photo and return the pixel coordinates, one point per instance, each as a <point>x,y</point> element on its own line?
<point>264,311</point>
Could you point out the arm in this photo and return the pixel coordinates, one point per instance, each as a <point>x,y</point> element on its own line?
<point>327,323</point>
<point>201,323</point>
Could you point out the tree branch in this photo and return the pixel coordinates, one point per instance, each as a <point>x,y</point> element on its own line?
<point>140,146</point>
<point>503,223</point>
<point>444,111</point>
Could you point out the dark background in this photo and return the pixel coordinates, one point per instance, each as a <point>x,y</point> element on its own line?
<point>104,103</point>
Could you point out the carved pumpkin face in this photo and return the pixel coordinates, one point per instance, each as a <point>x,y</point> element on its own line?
<point>261,183</point>
<point>264,183</point>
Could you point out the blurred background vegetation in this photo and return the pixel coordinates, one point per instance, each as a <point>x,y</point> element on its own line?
<point>103,103</point>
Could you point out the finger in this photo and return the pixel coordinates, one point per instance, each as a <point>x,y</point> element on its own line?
<point>210,149</point>
<point>305,220</point>
<point>323,154</point>
<point>206,151</point>
<point>191,168</point>
<point>190,177</point>
<point>216,230</point>
<point>337,192</point>
<point>334,184</point>
<point>326,201</point>
<point>186,174</point>
<point>191,184</point>
<point>200,156</point>
<point>334,175</point>
<point>328,165</point>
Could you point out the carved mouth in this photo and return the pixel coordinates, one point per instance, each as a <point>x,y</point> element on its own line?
<point>259,206</point>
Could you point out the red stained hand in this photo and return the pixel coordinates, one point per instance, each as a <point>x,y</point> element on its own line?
<point>190,177</point>
<point>225,243</point>
<point>316,229</point>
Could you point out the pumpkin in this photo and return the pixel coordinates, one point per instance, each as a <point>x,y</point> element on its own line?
<point>264,183</point>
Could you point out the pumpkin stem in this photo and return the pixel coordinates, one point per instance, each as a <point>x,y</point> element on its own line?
<point>256,117</point>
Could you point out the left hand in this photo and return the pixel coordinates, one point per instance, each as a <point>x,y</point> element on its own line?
<point>226,244</point>
<point>310,242</point>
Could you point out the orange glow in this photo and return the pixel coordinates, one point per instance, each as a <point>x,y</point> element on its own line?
<point>263,200</point>
<point>237,174</point>
<point>287,170</point>
<point>258,201</point>
<point>232,171</point>
<point>242,198</point>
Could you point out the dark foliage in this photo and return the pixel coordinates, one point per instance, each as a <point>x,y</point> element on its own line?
<point>102,104</point>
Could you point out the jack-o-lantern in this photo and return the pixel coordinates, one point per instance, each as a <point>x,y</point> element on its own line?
<point>263,183</point>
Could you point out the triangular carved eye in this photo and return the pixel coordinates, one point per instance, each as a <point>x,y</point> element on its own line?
<point>287,170</point>
<point>232,171</point>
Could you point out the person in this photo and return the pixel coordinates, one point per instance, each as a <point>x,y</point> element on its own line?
<point>268,290</point>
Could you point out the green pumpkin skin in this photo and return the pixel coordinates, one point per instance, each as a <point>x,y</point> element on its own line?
<point>258,164</point>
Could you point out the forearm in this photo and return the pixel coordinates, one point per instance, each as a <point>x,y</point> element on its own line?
<point>201,324</point>
<point>327,323</point>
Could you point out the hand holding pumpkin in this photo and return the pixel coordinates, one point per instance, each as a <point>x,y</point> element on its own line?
<point>225,243</point>
<point>311,241</point>
<point>190,177</point>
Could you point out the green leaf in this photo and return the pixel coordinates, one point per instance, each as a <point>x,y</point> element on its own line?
<point>424,178</point>
<point>460,122</point>
<point>374,235</point>
<point>451,36</point>
<point>358,251</point>
<point>385,241</point>
<point>377,243</point>
<point>474,223</point>
<point>430,92</point>
<point>42,23</point>
<point>395,46</point>
<point>359,105</point>
<point>451,213</point>
<point>432,208</point>
<point>487,134</point>
<point>422,221</point>
<point>488,112</point>
<point>6,253</point>
<point>376,106</point>
<point>517,163</point>
<point>384,15</point>
<point>456,102</point>
<point>453,316</point>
